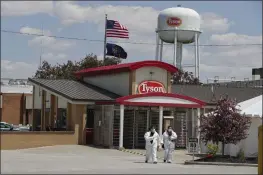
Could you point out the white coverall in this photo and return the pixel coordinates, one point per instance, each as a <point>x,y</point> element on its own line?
<point>169,145</point>
<point>151,148</point>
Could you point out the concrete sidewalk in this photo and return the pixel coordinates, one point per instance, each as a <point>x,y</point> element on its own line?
<point>76,159</point>
<point>179,156</point>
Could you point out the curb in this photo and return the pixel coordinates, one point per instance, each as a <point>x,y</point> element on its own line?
<point>219,164</point>
<point>136,153</point>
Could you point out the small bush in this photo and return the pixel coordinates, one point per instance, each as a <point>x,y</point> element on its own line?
<point>212,149</point>
<point>241,155</point>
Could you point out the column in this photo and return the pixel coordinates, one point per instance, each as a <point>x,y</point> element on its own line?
<point>157,46</point>
<point>43,110</point>
<point>121,125</point>
<point>175,46</point>
<point>161,51</point>
<point>56,111</point>
<point>33,123</point>
<point>196,55</point>
<point>69,117</point>
<point>52,110</point>
<point>193,122</point>
<point>24,109</point>
<point>160,120</point>
<point>198,125</point>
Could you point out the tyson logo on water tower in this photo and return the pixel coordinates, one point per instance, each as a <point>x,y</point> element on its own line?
<point>151,87</point>
<point>174,21</point>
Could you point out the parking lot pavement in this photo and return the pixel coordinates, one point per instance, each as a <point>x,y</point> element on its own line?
<point>74,159</point>
<point>179,155</point>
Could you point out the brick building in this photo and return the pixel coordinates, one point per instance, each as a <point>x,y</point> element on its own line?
<point>13,104</point>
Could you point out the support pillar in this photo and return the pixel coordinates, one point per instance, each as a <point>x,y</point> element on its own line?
<point>198,130</point>
<point>157,46</point>
<point>193,122</point>
<point>52,110</point>
<point>161,51</point>
<point>33,123</point>
<point>121,125</point>
<point>175,46</point>
<point>160,120</point>
<point>196,55</point>
<point>198,58</point>
<point>69,117</point>
<point>24,109</point>
<point>56,112</point>
<point>43,110</point>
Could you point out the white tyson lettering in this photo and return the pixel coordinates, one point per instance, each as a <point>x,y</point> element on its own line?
<point>147,89</point>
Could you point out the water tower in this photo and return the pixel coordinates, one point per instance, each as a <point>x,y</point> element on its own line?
<point>178,26</point>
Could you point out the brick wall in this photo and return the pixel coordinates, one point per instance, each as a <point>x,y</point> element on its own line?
<point>21,140</point>
<point>12,108</point>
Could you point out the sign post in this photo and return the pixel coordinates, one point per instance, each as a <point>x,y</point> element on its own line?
<point>193,145</point>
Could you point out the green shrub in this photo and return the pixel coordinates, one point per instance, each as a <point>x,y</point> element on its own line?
<point>212,149</point>
<point>241,155</point>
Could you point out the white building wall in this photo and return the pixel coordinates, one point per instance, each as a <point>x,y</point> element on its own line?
<point>143,74</point>
<point>29,102</point>
<point>116,83</point>
<point>62,103</point>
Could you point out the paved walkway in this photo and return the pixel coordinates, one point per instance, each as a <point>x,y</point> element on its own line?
<point>179,156</point>
<point>75,159</point>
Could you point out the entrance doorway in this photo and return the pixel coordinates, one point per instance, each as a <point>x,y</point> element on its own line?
<point>168,121</point>
<point>140,128</point>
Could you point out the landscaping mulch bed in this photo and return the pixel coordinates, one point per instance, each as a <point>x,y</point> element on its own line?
<point>227,159</point>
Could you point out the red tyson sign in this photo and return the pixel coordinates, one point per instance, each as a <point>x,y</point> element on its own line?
<point>150,87</point>
<point>174,21</point>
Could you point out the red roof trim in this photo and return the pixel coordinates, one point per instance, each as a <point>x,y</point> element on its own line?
<point>122,100</point>
<point>162,104</point>
<point>125,68</point>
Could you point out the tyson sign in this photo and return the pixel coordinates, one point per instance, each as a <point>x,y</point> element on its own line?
<point>174,21</point>
<point>150,87</point>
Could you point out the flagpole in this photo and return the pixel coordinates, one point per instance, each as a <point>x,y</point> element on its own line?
<point>105,38</point>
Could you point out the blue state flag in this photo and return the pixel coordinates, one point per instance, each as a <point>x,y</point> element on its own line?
<point>116,51</point>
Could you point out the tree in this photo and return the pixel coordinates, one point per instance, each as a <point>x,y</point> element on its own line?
<point>184,77</point>
<point>225,124</point>
<point>66,70</point>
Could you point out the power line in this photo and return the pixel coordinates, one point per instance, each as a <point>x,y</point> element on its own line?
<point>146,43</point>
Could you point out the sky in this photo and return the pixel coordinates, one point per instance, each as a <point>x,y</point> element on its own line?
<point>223,23</point>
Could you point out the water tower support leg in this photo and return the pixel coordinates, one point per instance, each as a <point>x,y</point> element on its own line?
<point>161,51</point>
<point>157,46</point>
<point>175,47</point>
<point>196,53</point>
<point>179,55</point>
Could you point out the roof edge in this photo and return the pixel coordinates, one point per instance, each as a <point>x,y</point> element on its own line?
<point>126,67</point>
<point>173,95</point>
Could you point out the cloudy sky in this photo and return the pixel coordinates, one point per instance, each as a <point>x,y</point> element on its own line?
<point>223,23</point>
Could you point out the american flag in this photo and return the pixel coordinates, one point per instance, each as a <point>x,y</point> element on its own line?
<point>116,30</point>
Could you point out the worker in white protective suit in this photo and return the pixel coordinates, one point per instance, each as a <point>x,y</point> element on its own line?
<point>152,145</point>
<point>169,138</point>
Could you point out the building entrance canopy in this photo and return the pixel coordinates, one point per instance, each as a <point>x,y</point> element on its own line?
<point>161,99</point>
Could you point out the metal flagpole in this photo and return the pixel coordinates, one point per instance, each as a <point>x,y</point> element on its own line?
<point>105,39</point>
